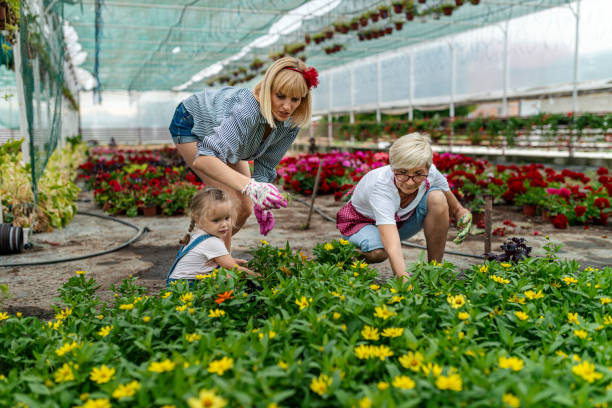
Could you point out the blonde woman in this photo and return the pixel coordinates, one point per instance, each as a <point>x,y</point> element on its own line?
<point>394,202</point>
<point>218,131</point>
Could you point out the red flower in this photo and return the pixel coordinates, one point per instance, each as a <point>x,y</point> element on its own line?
<point>601,171</point>
<point>580,210</point>
<point>601,202</point>
<point>560,221</point>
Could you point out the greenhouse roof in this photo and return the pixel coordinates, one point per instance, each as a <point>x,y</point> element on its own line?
<point>180,44</point>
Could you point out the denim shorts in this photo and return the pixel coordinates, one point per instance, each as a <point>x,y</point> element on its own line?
<point>368,237</point>
<point>181,125</point>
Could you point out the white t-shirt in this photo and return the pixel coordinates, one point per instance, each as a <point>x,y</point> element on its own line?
<point>199,261</point>
<point>376,195</point>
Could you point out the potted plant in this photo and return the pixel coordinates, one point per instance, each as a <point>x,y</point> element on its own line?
<point>374,16</point>
<point>354,24</point>
<point>256,64</point>
<point>459,3</point>
<point>476,207</point>
<point>307,38</point>
<point>383,11</point>
<point>531,200</point>
<point>363,19</point>
<point>398,7</point>
<point>398,24</point>
<point>422,1</point>
<point>388,29</point>
<point>447,8</point>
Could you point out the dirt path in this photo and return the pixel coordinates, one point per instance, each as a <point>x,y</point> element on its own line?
<point>34,288</point>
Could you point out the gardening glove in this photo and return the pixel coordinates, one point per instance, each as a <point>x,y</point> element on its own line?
<point>265,195</point>
<point>264,218</point>
<point>464,224</point>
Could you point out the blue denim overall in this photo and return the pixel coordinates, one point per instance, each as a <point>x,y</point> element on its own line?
<point>181,253</point>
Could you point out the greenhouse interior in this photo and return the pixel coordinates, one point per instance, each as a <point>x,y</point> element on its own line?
<point>305,203</point>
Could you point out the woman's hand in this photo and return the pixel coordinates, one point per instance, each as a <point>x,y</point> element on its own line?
<point>265,195</point>
<point>464,224</point>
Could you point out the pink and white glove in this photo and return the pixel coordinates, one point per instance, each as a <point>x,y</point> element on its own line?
<point>265,195</point>
<point>264,218</point>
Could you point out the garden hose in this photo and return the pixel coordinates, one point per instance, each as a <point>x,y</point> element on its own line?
<point>405,243</point>
<point>76,258</point>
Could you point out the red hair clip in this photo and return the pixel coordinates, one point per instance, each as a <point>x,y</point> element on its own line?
<point>311,76</point>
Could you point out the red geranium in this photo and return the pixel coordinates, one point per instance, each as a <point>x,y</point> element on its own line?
<point>560,221</point>
<point>580,210</point>
<point>601,202</point>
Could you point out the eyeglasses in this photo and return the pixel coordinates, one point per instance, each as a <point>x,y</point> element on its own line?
<point>417,178</point>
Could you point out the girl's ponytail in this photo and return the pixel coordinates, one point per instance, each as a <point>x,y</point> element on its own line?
<point>187,237</point>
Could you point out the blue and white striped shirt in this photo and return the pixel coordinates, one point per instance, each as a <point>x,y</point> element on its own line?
<point>230,126</point>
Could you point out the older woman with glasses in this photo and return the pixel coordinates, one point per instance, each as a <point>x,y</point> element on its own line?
<point>394,202</point>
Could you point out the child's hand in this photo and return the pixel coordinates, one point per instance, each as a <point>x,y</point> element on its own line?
<point>251,273</point>
<point>241,261</point>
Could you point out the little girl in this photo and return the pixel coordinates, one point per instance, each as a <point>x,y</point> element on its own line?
<point>204,249</point>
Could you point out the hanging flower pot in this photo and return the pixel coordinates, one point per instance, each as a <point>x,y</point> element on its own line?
<point>368,35</point>
<point>459,3</point>
<point>409,15</point>
<point>361,36</point>
<point>355,25</point>
<point>374,16</point>
<point>329,34</point>
<point>448,10</point>
<point>475,2</point>
<point>381,32</point>
<point>399,25</point>
<point>398,7</point>
<point>375,34</point>
<point>384,12</point>
<point>422,1</point>
<point>363,21</point>
<point>388,30</point>
<point>307,38</point>
<point>329,50</point>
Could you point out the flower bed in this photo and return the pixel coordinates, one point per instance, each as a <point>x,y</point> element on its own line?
<point>568,197</point>
<point>127,181</point>
<point>57,192</point>
<point>321,332</point>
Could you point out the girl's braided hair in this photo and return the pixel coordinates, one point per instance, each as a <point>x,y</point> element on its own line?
<point>201,203</point>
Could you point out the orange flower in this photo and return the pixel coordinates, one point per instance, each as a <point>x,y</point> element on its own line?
<point>222,297</point>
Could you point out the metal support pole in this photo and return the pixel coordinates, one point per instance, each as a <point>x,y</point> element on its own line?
<point>378,87</point>
<point>576,44</point>
<point>36,74</point>
<point>330,129</point>
<point>505,72</point>
<point>488,222</point>
<point>411,111</point>
<point>23,118</point>
<point>452,95</point>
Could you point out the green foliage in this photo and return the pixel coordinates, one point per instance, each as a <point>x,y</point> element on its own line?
<point>301,338</point>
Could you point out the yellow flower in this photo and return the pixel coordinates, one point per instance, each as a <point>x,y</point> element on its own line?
<point>84,396</point>
<point>522,315</point>
<point>272,405</point>
<point>531,295</point>
<point>456,301</point>
<point>283,365</point>
<point>207,399</point>
<point>193,337</point>
<point>435,369</point>
<point>483,268</point>
<point>382,385</point>
<point>364,352</point>
<point>383,312</point>
<point>320,385</point>
<point>100,316</point>
<point>161,366</point>
<point>516,299</point>
<point>370,333</point>
<point>302,303</point>
<point>339,295</point>
<point>365,403</point>
<point>181,308</point>
<point>576,358</point>
<point>80,272</point>
<point>505,264</point>
<point>216,313</point>
<point>412,361</point>
<point>396,299</point>
<point>336,315</point>
<point>97,403</point>
<point>105,331</point>
<point>18,314</point>
<point>221,366</point>
<point>573,318</point>
<point>63,374</point>
<point>374,287</point>
<point>452,382</point>
<point>343,241</point>
<point>607,320</point>
<point>128,306</point>
<point>166,294</point>
<point>359,264</point>
<point>463,315</point>
<point>328,247</point>
<point>569,280</point>
<point>67,348</point>
<point>513,363</point>
<point>63,314</point>
<point>560,353</point>
<point>392,332</point>
<point>404,382</point>
<point>581,333</point>
<point>126,390</point>
<point>146,319</point>
<point>587,371</point>
<point>605,301</point>
<point>186,297</point>
<point>102,374</point>
<point>511,400</point>
<point>499,279</point>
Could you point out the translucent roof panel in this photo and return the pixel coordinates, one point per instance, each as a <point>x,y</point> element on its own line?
<point>179,44</point>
